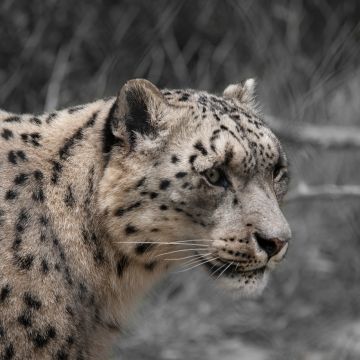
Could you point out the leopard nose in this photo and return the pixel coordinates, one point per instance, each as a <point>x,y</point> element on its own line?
<point>271,246</point>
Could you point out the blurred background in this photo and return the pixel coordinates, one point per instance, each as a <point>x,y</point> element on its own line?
<point>305,57</point>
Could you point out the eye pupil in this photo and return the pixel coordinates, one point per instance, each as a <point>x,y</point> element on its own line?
<point>214,175</point>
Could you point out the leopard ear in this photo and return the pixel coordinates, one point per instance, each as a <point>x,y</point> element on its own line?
<point>243,92</point>
<point>136,111</point>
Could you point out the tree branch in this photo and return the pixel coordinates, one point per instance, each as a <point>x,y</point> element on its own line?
<point>318,135</point>
<point>326,191</point>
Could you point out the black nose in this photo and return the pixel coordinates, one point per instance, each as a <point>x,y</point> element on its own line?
<point>271,246</point>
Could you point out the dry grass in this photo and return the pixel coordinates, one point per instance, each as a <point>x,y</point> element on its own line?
<point>305,56</point>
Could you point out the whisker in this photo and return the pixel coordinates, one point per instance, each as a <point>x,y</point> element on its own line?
<point>224,271</point>
<point>193,261</point>
<point>201,259</point>
<point>184,258</point>
<point>196,240</point>
<point>195,266</point>
<point>181,250</point>
<point>218,269</point>
<point>160,243</point>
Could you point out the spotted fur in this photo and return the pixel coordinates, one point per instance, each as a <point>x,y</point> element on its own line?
<point>100,200</point>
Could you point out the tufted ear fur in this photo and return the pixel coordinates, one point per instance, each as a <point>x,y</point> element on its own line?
<point>137,109</point>
<point>243,92</point>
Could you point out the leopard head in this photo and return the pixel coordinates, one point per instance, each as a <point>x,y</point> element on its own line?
<point>195,179</point>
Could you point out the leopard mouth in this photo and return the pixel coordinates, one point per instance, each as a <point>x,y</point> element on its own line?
<point>230,270</point>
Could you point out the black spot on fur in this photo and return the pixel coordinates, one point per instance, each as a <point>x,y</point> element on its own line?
<point>2,220</point>
<point>38,175</point>
<point>51,332</point>
<point>21,154</point>
<point>38,195</point>
<point>119,212</point>
<point>35,138</point>
<point>130,229</point>
<point>163,207</point>
<point>180,174</point>
<point>32,301</point>
<point>44,267</point>
<point>140,182</point>
<point>20,179</point>
<point>67,275</point>
<point>32,138</point>
<point>51,117</point>
<point>82,292</point>
<point>7,134</point>
<point>229,155</point>
<point>192,158</point>
<point>143,247</point>
<point>134,206</point>
<point>122,264</point>
<point>62,355</point>
<point>21,221</point>
<point>184,97</point>
<point>199,146</point>
<point>150,266</point>
<point>25,319</point>
<point>5,292</point>
<point>41,339</point>
<point>75,109</point>
<point>9,352</point>
<point>56,171</point>
<point>44,220</point>
<point>66,150</point>
<point>69,310</point>
<point>153,195</point>
<point>70,340</point>
<point>12,157</point>
<point>36,121</point>
<point>24,262</point>
<point>13,119</point>
<point>69,197</point>
<point>164,184</point>
<point>17,242</point>
<point>174,159</point>
<point>185,185</point>
<point>10,195</point>
<point>70,143</point>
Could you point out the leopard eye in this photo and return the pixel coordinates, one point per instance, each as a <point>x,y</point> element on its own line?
<point>279,173</point>
<point>212,175</point>
<point>216,177</point>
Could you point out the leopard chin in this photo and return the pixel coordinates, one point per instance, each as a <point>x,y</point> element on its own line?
<point>241,284</point>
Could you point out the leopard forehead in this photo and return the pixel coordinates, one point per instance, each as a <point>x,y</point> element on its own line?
<point>226,131</point>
